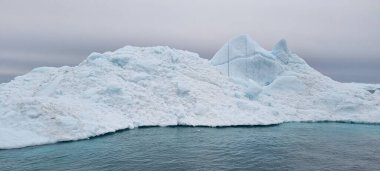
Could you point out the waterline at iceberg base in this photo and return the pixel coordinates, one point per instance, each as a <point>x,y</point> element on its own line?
<point>243,84</point>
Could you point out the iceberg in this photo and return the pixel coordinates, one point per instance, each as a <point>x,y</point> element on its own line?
<point>243,84</point>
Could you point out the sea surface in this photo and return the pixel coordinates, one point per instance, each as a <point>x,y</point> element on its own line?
<point>290,146</point>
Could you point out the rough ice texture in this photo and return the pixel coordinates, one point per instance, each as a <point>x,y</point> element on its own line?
<point>135,86</point>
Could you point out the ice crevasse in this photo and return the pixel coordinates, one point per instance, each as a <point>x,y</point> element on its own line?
<point>243,84</point>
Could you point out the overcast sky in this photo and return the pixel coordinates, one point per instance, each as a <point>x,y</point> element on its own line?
<point>340,38</point>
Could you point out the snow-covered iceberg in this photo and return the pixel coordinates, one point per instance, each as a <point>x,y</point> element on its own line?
<point>243,84</point>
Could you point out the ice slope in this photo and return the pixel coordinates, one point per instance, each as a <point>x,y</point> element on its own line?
<point>127,88</point>
<point>135,86</point>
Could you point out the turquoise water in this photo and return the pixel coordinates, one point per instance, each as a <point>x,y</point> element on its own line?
<point>291,146</point>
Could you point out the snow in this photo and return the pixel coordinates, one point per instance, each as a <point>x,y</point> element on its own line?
<point>243,84</point>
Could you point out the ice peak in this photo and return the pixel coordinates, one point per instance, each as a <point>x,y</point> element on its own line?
<point>281,51</point>
<point>281,46</point>
<point>238,47</point>
<point>246,40</point>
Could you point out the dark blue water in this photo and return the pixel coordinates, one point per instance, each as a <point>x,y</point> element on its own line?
<point>292,146</point>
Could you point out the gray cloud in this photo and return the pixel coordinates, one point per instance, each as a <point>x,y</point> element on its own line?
<point>341,38</point>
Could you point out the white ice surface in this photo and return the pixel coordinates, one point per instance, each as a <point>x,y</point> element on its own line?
<point>135,86</point>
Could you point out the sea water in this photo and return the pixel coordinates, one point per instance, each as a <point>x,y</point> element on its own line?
<point>290,146</point>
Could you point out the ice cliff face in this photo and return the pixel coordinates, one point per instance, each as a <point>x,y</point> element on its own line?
<point>242,57</point>
<point>243,84</point>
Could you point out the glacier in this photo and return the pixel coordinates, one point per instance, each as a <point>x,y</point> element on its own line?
<point>243,84</point>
